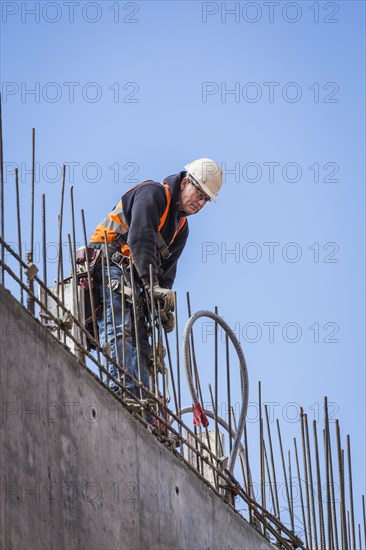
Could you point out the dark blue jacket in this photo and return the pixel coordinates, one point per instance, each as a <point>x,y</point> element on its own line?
<point>143,208</point>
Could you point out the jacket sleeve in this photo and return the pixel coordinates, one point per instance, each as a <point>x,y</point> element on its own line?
<point>144,209</point>
<point>169,266</point>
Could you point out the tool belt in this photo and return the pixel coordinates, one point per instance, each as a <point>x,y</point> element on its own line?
<point>93,255</point>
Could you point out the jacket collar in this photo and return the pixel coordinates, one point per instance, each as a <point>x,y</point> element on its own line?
<point>174,182</point>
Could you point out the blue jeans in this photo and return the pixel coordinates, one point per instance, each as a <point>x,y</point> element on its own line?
<point>107,335</point>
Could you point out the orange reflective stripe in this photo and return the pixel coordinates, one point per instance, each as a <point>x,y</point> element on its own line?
<point>166,211</point>
<point>181,224</point>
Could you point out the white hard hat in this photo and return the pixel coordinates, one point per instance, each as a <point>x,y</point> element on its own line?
<point>207,174</point>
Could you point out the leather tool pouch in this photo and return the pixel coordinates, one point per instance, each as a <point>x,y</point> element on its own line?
<point>94,256</point>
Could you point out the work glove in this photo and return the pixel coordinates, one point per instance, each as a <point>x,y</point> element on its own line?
<point>168,321</point>
<point>166,296</point>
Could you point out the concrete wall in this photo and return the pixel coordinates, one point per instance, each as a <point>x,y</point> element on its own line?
<point>78,472</point>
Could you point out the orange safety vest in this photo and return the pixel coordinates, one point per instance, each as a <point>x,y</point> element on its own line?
<point>115,223</point>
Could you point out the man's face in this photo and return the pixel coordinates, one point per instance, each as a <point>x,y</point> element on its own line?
<point>191,200</point>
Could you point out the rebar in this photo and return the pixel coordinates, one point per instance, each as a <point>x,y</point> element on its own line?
<point>74,243</point>
<point>216,379</point>
<point>137,332</point>
<point>44,243</point>
<point>341,488</point>
<point>217,439</point>
<point>161,353</point>
<point>193,351</point>
<point>219,449</point>
<point>333,500</point>
<point>179,395</point>
<point>352,515</point>
<point>319,486</point>
<point>123,321</point>
<point>285,476</point>
<point>245,474</point>
<point>228,388</point>
<point>312,499</point>
<point>277,509</point>
<point>74,293</point>
<point>261,452</point>
<point>247,467</point>
<point>348,530</point>
<point>329,540</point>
<point>73,228</point>
<point>60,264</point>
<point>263,492</point>
<point>32,191</point>
<point>307,492</point>
<point>359,536</point>
<point>90,285</point>
<point>328,476</point>
<point>290,486</point>
<point>301,495</point>
<point>192,361</point>
<point>171,372</point>
<point>30,301</point>
<point>20,230</point>
<point>153,333</point>
<point>269,477</point>
<point>104,285</point>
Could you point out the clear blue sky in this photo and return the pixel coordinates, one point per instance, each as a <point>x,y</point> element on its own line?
<point>127,91</point>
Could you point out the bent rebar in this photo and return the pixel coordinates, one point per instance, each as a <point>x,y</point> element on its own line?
<point>243,374</point>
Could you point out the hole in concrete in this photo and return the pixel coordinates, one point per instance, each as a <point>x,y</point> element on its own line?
<point>94,413</point>
<point>177,490</point>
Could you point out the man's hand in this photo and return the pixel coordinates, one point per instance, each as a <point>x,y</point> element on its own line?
<point>168,321</point>
<point>166,296</point>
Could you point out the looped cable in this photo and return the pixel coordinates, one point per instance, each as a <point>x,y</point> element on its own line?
<point>243,376</point>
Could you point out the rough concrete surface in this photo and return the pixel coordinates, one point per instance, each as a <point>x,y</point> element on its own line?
<point>79,473</point>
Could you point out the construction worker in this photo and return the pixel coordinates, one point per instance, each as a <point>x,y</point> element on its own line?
<point>150,224</point>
